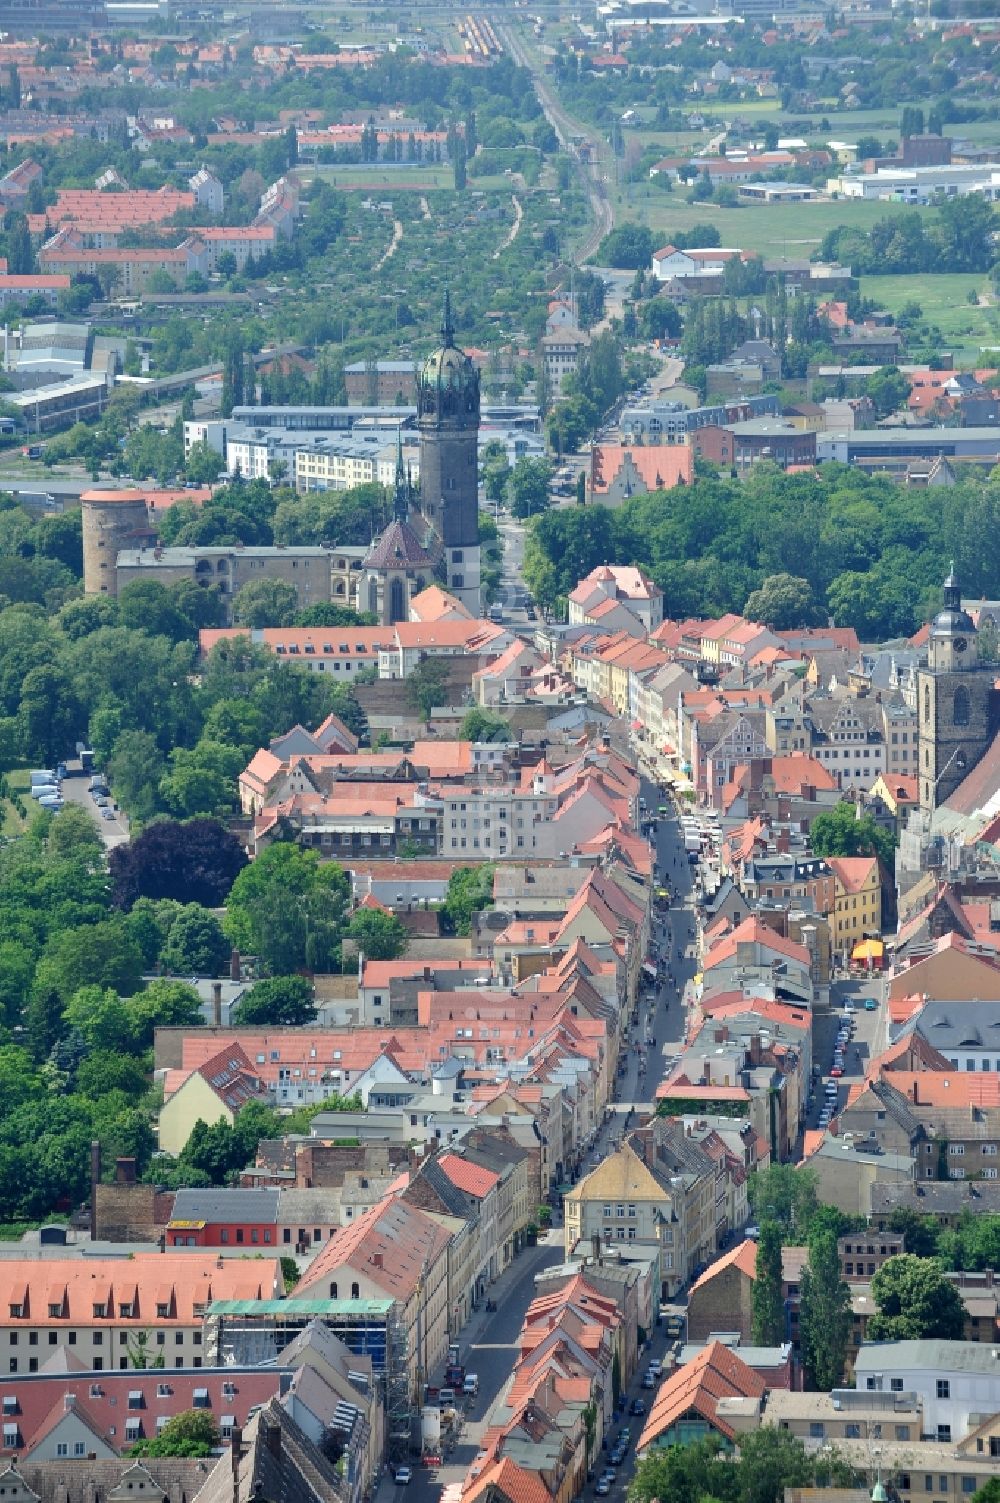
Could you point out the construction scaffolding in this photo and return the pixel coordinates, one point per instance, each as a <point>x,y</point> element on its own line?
<point>253,1332</point>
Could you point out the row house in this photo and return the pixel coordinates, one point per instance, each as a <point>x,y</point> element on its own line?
<point>848,738</point>
<point>656,697</point>
<point>472,1238</point>
<point>128,271</point>
<point>59,1416</point>
<point>394,1252</point>
<point>100,1310</point>
<point>721,745</point>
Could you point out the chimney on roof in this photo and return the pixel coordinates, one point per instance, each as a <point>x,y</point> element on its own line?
<point>124,1171</point>
<point>217,1004</point>
<point>377,1260</point>
<point>95,1180</point>
<point>272,1436</point>
<point>235,969</point>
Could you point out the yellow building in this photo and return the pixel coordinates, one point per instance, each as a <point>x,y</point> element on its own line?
<point>213,1092</point>
<point>857,909</point>
<point>623,1201</point>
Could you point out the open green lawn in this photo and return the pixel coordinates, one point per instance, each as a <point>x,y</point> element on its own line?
<point>966,329</point>
<point>11,823</point>
<point>377,179</point>
<point>771,229</point>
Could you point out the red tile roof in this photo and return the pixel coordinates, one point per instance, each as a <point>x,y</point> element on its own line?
<point>716,1373</point>
<point>465,1175</point>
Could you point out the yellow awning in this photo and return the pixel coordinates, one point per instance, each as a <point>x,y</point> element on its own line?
<point>868,949</point>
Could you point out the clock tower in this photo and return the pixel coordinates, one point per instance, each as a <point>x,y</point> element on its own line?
<point>956,702</point>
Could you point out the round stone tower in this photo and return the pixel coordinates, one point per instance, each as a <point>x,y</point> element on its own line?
<point>112,520</point>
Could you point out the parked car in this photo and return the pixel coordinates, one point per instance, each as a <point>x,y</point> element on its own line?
<point>402,1475</point>
<point>837,1072</point>
<point>638,1407</point>
<point>871,1005</point>
<point>602,1487</point>
<point>471,1385</point>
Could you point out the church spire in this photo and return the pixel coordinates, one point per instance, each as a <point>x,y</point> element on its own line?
<point>447,327</point>
<point>401,493</point>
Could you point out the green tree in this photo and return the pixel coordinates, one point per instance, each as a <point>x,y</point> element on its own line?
<point>470,890</point>
<point>146,605</point>
<point>278,1001</point>
<point>915,1302</point>
<point>783,603</point>
<point>769,1325</point>
<point>629,247</point>
<point>136,768</point>
<point>839,832</point>
<point>426,686</point>
<point>288,909</point>
<point>988,1493</point>
<point>196,945</point>
<point>193,1433</point>
<point>920,1233</point>
<point>824,1314</point>
<point>481,725</point>
<point>888,389</point>
<point>379,936</point>
<point>102,954</point>
<point>265,602</point>
<point>785,1195</point>
<point>528,487</point>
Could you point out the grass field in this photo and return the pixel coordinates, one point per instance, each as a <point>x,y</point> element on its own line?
<point>378,179</point>
<point>965,328</point>
<point>770,229</point>
<point>11,823</point>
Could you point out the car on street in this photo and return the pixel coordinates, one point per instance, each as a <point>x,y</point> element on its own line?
<point>617,1456</point>
<point>602,1487</point>
<point>107,814</point>
<point>403,1475</point>
<point>825,1117</point>
<point>871,1005</point>
<point>648,1380</point>
<point>637,1407</point>
<point>837,1071</point>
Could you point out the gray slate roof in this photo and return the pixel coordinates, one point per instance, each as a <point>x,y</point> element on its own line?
<point>226,1205</point>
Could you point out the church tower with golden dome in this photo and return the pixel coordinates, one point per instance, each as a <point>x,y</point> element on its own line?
<point>448,418</point>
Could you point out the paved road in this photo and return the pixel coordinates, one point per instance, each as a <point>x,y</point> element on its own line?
<point>869,1040</point>
<point>76,790</point>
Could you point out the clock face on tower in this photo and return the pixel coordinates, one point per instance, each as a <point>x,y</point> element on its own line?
<point>960,644</point>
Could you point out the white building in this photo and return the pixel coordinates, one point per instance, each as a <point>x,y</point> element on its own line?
<point>671,264</point>
<point>920,185</point>
<point>208,191</point>
<point>956,1382</point>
